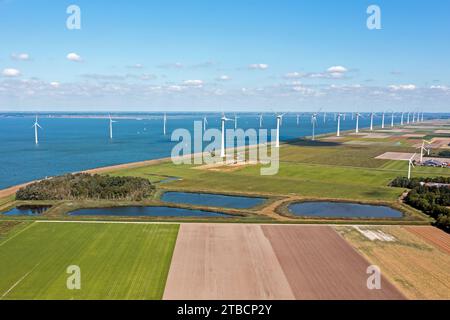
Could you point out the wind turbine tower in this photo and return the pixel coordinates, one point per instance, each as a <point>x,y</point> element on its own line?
<point>111,121</point>
<point>392,119</point>
<point>357,122</point>
<point>36,125</point>
<point>279,119</point>
<point>382,120</point>
<point>222,145</point>
<point>371,121</point>
<point>338,131</point>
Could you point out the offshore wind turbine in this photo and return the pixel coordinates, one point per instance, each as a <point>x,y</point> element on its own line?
<point>392,119</point>
<point>111,121</point>
<point>36,125</point>
<point>205,123</point>
<point>338,131</point>
<point>357,122</point>
<point>382,120</point>
<point>222,145</point>
<point>279,121</point>
<point>401,119</point>
<point>407,119</point>
<point>314,122</point>
<point>164,123</point>
<point>324,117</point>
<point>261,120</point>
<point>371,120</point>
<point>235,121</point>
<point>414,117</point>
<point>410,165</point>
<point>422,116</point>
<point>298,119</point>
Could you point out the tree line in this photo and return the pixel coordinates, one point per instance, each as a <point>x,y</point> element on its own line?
<point>432,200</point>
<point>83,186</point>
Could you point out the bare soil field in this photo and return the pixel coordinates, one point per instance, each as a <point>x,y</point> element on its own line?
<point>319,264</point>
<point>395,156</point>
<point>418,269</point>
<point>433,235</point>
<point>235,261</point>
<point>213,261</point>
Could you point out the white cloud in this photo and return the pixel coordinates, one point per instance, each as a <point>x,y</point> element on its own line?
<point>20,56</point>
<point>258,66</point>
<point>55,84</point>
<point>10,72</point>
<point>337,69</point>
<point>294,75</point>
<point>223,78</point>
<point>439,87</point>
<point>193,83</point>
<point>136,66</point>
<point>74,57</point>
<point>403,87</point>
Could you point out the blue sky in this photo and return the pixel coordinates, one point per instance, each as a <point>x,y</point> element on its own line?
<point>237,55</point>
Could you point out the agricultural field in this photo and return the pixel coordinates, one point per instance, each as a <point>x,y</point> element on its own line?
<point>117,261</point>
<point>418,268</point>
<point>269,262</point>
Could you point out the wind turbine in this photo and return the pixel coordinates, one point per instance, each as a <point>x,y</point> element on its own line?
<point>338,132</point>
<point>279,121</point>
<point>414,117</point>
<point>344,116</point>
<point>36,125</point>
<point>324,117</point>
<point>235,121</point>
<point>371,120</point>
<point>407,119</point>
<point>111,121</point>
<point>222,146</point>
<point>314,122</point>
<point>205,122</point>
<point>353,116</point>
<point>422,116</point>
<point>298,119</point>
<point>424,149</point>
<point>401,120</point>
<point>261,120</point>
<point>164,123</point>
<point>357,122</point>
<point>410,164</point>
<point>392,119</point>
<point>382,120</point>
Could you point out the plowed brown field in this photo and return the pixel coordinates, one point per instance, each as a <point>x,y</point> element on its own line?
<point>433,235</point>
<point>225,261</point>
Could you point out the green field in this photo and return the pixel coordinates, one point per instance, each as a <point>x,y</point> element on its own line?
<point>117,261</point>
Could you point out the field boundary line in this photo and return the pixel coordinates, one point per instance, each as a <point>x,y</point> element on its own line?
<point>16,234</point>
<point>19,281</point>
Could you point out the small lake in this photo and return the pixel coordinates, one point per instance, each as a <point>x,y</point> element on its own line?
<point>212,200</point>
<point>27,210</point>
<point>342,210</point>
<point>147,212</point>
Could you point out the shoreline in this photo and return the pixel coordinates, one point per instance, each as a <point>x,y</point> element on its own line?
<point>13,189</point>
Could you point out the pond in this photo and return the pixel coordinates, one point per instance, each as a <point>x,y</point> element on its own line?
<point>28,210</point>
<point>342,210</point>
<point>212,200</point>
<point>147,212</point>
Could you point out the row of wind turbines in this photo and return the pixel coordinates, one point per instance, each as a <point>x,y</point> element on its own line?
<point>416,117</point>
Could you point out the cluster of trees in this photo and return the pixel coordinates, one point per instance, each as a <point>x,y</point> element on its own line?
<point>83,186</point>
<point>432,200</point>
